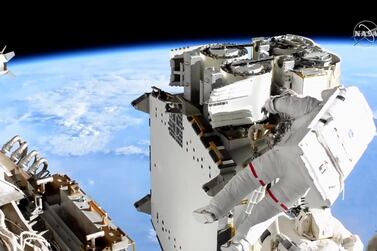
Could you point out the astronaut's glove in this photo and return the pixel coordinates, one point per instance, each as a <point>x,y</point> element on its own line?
<point>327,93</point>
<point>287,91</point>
<point>269,106</point>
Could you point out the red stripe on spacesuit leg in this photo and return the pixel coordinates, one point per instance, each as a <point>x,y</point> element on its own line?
<point>253,170</point>
<point>284,206</point>
<point>255,174</point>
<point>272,196</point>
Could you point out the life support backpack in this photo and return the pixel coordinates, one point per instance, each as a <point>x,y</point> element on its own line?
<point>337,138</point>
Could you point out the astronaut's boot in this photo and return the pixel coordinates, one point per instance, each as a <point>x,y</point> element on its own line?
<point>205,215</point>
<point>232,245</point>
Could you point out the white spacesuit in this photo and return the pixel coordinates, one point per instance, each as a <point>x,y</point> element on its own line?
<point>282,162</point>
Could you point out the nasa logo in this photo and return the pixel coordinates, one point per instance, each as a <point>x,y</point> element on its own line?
<point>365,30</point>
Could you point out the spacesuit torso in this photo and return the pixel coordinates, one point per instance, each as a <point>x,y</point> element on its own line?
<point>284,161</point>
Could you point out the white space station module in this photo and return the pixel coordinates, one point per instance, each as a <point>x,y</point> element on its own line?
<point>40,211</point>
<point>199,141</point>
<point>4,59</point>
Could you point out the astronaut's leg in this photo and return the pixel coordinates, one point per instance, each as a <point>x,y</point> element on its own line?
<point>233,192</point>
<point>264,210</point>
<point>278,199</point>
<point>259,172</point>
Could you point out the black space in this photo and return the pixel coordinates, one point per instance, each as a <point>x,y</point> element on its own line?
<point>39,29</point>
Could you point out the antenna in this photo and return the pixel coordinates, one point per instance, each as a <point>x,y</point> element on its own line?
<point>2,52</point>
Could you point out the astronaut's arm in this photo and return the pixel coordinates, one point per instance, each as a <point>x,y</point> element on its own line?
<point>293,106</point>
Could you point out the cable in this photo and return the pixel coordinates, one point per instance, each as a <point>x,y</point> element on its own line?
<point>32,236</point>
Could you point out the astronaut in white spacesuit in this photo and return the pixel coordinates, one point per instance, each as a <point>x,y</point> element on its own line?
<point>282,161</point>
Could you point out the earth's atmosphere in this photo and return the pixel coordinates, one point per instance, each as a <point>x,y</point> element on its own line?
<point>75,109</point>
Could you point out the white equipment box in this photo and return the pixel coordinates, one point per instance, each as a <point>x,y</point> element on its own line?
<point>337,138</point>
